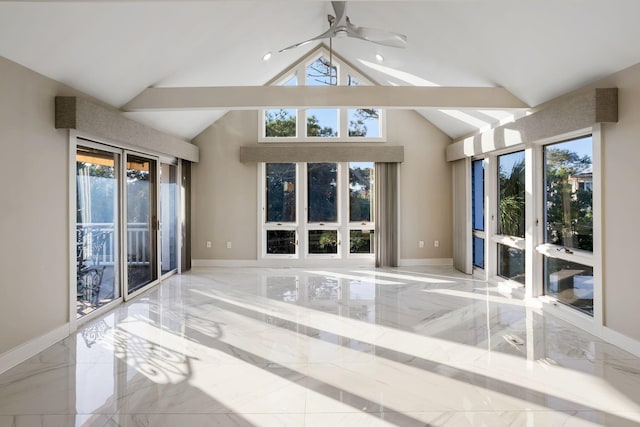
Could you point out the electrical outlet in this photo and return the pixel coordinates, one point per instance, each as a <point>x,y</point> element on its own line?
<point>208,244</point>
<point>436,243</point>
<point>228,245</point>
<point>421,244</point>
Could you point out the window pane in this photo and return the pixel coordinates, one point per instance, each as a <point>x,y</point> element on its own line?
<point>323,242</point>
<point>281,242</point>
<point>477,194</point>
<point>360,192</point>
<point>281,192</point>
<point>511,263</point>
<point>322,192</point>
<point>168,217</point>
<point>511,194</point>
<point>280,123</point>
<point>321,73</point>
<point>322,122</point>
<point>293,81</point>
<point>141,204</point>
<point>478,252</point>
<point>96,229</point>
<point>569,194</point>
<point>361,241</point>
<point>364,122</point>
<point>570,283</point>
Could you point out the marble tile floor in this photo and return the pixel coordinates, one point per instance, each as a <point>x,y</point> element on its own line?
<point>336,347</point>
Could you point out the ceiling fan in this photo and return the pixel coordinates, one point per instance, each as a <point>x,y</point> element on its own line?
<point>341,26</point>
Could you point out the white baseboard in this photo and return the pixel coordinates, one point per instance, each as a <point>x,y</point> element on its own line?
<point>425,262</point>
<point>276,263</point>
<point>624,342</point>
<point>587,323</point>
<point>224,263</point>
<point>315,262</point>
<point>24,351</point>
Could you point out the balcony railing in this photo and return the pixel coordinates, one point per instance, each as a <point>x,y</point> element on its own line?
<point>138,250</point>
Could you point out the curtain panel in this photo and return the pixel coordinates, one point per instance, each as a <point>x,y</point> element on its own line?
<point>386,214</point>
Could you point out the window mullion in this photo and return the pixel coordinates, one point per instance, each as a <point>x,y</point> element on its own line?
<point>491,209</point>
<point>302,218</point>
<point>343,208</point>
<point>598,297</point>
<point>530,220</point>
<point>343,123</point>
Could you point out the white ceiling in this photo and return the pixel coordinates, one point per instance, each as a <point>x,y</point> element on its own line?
<point>113,50</point>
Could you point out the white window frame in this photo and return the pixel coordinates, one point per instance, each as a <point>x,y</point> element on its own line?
<point>355,225</point>
<point>533,243</point>
<point>336,225</point>
<point>492,213</point>
<point>302,227</point>
<point>591,259</point>
<point>481,234</point>
<point>265,226</point>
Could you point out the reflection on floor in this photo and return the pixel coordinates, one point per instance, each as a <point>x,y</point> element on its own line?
<point>344,347</point>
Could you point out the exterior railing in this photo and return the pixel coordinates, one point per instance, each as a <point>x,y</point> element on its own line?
<point>138,250</point>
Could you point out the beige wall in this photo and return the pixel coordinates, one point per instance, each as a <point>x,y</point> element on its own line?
<point>34,206</point>
<point>426,207</point>
<point>225,191</point>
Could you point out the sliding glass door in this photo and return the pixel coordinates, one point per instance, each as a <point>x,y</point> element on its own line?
<point>168,218</point>
<point>142,221</point>
<point>96,243</point>
<point>126,223</point>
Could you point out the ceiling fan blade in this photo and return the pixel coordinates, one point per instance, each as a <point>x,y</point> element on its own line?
<point>375,35</point>
<point>340,25</point>
<point>340,10</point>
<point>325,35</point>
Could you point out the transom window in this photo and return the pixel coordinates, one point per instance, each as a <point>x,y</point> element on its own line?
<point>321,124</point>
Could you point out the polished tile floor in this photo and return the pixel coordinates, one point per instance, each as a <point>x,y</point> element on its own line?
<point>341,347</point>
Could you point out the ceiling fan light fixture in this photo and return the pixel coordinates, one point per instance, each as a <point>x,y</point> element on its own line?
<point>341,33</point>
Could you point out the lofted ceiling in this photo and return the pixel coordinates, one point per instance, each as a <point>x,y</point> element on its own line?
<point>114,50</point>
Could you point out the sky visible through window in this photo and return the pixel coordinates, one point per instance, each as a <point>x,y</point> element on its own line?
<point>582,147</point>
